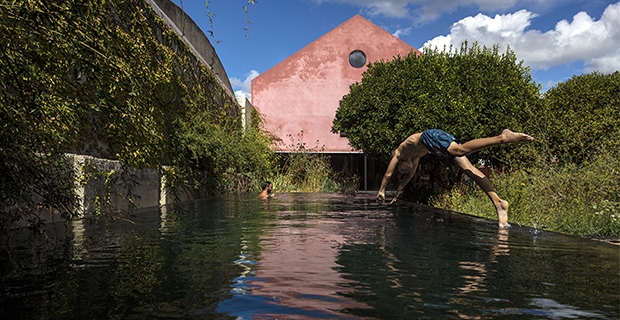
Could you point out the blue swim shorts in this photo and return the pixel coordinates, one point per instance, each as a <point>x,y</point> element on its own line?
<point>437,142</point>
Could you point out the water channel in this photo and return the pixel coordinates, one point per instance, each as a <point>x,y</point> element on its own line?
<point>306,256</point>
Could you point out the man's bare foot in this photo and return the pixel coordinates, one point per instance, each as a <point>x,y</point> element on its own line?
<point>502,214</point>
<point>509,136</point>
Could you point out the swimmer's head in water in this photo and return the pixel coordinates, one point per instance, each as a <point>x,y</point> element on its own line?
<point>404,166</point>
<point>267,185</point>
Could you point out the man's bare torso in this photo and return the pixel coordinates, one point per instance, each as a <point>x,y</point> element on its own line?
<point>411,148</point>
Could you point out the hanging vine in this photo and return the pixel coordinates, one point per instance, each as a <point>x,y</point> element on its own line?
<point>103,78</point>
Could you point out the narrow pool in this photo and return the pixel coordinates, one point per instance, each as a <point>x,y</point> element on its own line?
<point>305,256</point>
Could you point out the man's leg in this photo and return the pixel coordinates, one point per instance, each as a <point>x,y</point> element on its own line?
<point>505,137</point>
<point>501,206</point>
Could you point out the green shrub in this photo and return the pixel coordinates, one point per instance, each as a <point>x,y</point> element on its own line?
<point>568,198</point>
<point>306,171</point>
<point>309,170</point>
<point>210,156</point>
<point>581,116</point>
<point>472,93</point>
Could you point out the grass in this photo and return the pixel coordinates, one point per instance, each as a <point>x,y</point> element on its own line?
<point>571,199</point>
<point>309,170</point>
<point>312,172</point>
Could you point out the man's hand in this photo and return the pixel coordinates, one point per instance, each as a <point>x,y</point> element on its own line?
<point>380,197</point>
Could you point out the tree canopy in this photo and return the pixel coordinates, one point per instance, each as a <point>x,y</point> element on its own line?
<point>473,92</point>
<point>582,116</point>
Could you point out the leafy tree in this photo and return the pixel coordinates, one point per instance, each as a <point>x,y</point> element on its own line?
<point>583,117</point>
<point>472,93</point>
<point>35,121</point>
<point>572,186</point>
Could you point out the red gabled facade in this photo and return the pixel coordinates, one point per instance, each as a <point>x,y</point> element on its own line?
<point>303,92</point>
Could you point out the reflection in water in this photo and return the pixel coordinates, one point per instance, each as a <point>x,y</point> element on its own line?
<point>296,275</point>
<point>476,273</point>
<point>475,283</point>
<point>306,256</point>
<point>78,239</point>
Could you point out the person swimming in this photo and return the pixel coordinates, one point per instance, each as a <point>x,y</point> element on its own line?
<point>267,187</point>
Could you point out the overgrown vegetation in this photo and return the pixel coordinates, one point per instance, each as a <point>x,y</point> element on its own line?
<point>567,180</point>
<point>572,185</point>
<point>110,79</point>
<point>219,160</point>
<point>305,172</point>
<point>309,170</point>
<point>568,198</point>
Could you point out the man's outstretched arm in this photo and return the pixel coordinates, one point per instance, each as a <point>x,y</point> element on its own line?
<point>405,179</point>
<point>386,178</point>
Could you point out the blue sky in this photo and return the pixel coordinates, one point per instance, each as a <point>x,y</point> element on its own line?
<point>556,38</point>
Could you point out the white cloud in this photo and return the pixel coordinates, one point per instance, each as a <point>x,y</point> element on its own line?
<point>402,32</point>
<point>607,64</point>
<point>551,83</point>
<point>582,39</point>
<point>423,10</point>
<point>439,42</point>
<point>390,8</point>
<point>243,94</point>
<point>243,88</point>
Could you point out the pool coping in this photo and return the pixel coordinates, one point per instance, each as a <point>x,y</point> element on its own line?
<point>612,240</point>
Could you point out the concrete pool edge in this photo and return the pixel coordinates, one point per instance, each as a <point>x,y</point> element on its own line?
<point>611,240</point>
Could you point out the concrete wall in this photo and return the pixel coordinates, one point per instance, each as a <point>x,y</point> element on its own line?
<point>246,112</point>
<point>303,92</point>
<point>120,189</point>
<point>189,31</point>
<point>146,185</point>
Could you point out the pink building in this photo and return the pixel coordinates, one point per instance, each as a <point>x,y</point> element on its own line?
<point>298,98</point>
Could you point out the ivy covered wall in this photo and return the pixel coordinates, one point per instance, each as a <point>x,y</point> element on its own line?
<point>111,76</point>
<point>108,79</point>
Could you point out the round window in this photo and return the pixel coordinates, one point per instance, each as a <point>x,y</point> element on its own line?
<point>357,59</point>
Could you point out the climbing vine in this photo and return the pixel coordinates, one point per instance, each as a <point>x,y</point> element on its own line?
<point>104,78</point>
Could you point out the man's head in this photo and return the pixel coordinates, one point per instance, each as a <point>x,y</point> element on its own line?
<point>267,185</point>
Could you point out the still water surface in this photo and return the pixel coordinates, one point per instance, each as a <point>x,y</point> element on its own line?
<point>307,256</point>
